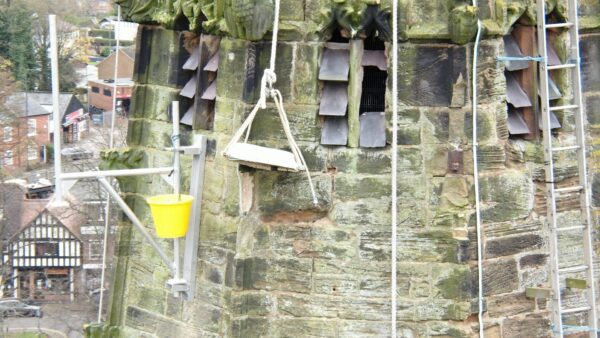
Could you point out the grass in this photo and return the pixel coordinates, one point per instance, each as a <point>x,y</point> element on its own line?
<point>27,335</point>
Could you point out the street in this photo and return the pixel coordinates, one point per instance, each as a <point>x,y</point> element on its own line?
<point>58,320</point>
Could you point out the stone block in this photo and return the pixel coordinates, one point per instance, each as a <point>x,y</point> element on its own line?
<point>154,101</point>
<point>452,282</point>
<point>306,66</point>
<point>486,124</point>
<point>360,328</point>
<point>251,327</point>
<point>410,161</point>
<point>285,274</point>
<point>297,305</point>
<point>283,192</point>
<point>408,115</point>
<point>431,246</point>
<point>437,127</point>
<point>336,285</point>
<point>356,188</point>
<point>167,56</point>
<point>375,245</point>
<point>373,161</point>
<point>252,304</point>
<point>435,160</point>
<point>409,134</point>
<point>506,196</point>
<point>499,276</point>
<point>295,327</point>
<point>506,246</point>
<point>531,326</point>
<point>440,309</point>
<point>533,261</point>
<point>292,10</point>
<point>428,73</point>
<point>509,305</point>
<point>232,63</point>
<point>372,212</point>
<point>491,157</point>
<point>491,84</point>
<point>258,60</point>
<point>590,70</point>
<point>303,124</point>
<point>592,105</point>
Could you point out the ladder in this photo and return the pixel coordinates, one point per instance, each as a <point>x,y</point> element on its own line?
<point>558,273</point>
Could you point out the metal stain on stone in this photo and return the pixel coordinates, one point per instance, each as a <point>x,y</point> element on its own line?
<point>193,61</point>
<point>553,59</point>
<point>335,65</point>
<point>511,48</point>
<point>189,90</point>
<point>516,123</point>
<point>188,117</point>
<point>372,130</point>
<point>335,131</point>
<point>515,95</point>
<point>334,100</point>
<point>554,123</point>
<point>211,92</point>
<point>374,58</point>
<point>213,63</point>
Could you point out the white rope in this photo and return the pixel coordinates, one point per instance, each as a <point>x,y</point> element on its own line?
<point>267,90</point>
<point>394,160</point>
<point>476,179</point>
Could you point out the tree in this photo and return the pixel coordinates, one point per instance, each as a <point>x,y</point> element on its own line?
<point>16,42</point>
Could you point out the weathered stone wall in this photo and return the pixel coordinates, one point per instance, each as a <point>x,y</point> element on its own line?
<point>285,268</point>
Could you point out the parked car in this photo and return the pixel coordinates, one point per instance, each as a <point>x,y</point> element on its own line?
<point>13,307</point>
<point>76,153</point>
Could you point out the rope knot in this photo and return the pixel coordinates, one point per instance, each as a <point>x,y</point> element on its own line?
<point>266,86</point>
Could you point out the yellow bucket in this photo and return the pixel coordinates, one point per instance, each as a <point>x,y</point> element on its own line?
<point>171,214</point>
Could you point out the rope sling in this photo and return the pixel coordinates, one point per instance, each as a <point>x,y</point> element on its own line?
<point>263,157</point>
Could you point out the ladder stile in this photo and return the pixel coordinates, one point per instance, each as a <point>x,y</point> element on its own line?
<point>586,265</point>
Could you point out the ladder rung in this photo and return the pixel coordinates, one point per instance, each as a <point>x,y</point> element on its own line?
<point>575,309</point>
<point>577,268</point>
<point>567,107</point>
<point>575,227</point>
<point>563,66</point>
<point>566,148</point>
<point>559,25</point>
<point>568,190</point>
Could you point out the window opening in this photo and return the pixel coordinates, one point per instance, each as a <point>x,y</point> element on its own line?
<point>31,127</point>
<point>7,134</point>
<point>372,101</point>
<point>95,89</point>
<point>46,249</point>
<point>107,92</point>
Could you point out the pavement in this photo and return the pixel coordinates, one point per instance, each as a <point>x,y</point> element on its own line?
<point>59,320</point>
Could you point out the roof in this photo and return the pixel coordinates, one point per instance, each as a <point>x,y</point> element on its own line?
<point>35,104</point>
<point>120,82</point>
<point>23,212</point>
<point>129,50</point>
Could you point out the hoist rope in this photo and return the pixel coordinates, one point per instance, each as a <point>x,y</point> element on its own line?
<point>267,90</point>
<point>394,161</point>
<point>476,178</point>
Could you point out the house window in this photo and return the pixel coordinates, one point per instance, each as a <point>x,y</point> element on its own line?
<point>107,92</point>
<point>46,249</point>
<point>32,152</point>
<point>95,89</point>
<point>7,159</point>
<point>31,127</point>
<point>7,134</point>
<point>96,249</point>
<point>524,120</point>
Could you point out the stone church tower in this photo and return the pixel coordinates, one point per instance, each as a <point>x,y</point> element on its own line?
<point>271,263</point>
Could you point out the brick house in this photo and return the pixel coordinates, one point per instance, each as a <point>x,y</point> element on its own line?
<point>27,127</point>
<point>100,91</point>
